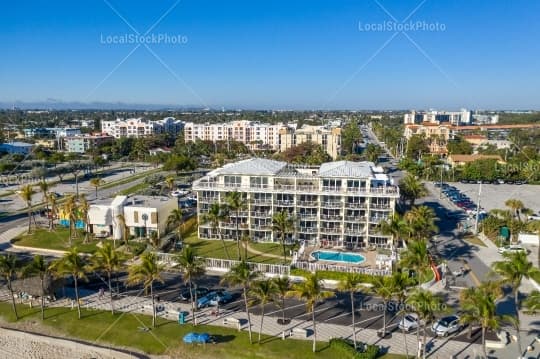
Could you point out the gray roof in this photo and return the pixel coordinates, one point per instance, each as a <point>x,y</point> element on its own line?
<point>253,166</point>
<point>346,169</point>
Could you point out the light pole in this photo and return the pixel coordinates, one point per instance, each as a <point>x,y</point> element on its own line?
<point>477,209</point>
<point>145,218</point>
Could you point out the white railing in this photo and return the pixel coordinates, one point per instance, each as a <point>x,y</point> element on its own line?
<point>316,266</point>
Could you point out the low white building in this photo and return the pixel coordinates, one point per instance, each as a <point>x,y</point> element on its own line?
<point>142,215</point>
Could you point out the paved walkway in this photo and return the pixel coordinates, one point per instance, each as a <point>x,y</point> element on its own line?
<point>254,251</point>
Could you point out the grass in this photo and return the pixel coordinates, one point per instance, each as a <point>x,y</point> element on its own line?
<point>134,189</point>
<point>57,240</point>
<point>474,240</point>
<point>120,330</point>
<point>536,277</point>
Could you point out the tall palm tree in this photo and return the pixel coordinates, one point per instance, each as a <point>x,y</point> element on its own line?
<point>74,265</point>
<point>512,270</point>
<point>242,275</point>
<point>421,220</point>
<point>96,182</point>
<point>383,287</point>
<point>425,304</point>
<point>9,268</point>
<point>38,266</point>
<point>283,224</point>
<point>416,257</point>
<point>216,214</point>
<point>282,284</point>
<point>533,302</point>
<point>109,260</point>
<point>412,188</point>
<point>515,205</point>
<point>352,285</point>
<point>83,208</point>
<point>146,273</point>
<point>311,292</point>
<point>51,200</point>
<point>236,203</point>
<point>26,193</point>
<point>176,220</point>
<point>70,211</point>
<point>394,226</point>
<point>192,267</point>
<point>44,188</point>
<point>263,291</point>
<point>170,183</point>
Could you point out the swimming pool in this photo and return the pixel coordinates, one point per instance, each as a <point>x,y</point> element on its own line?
<point>345,257</point>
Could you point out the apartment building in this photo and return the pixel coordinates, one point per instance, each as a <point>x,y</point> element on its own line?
<point>142,216</point>
<point>255,135</point>
<point>51,132</point>
<point>138,127</point>
<point>453,117</point>
<point>338,203</point>
<point>326,136</point>
<point>84,143</point>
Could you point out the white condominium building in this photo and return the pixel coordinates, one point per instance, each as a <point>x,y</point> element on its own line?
<point>138,127</point>
<point>339,203</point>
<point>453,117</point>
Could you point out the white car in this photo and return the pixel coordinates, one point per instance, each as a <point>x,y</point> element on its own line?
<point>446,326</point>
<point>409,322</point>
<point>512,249</point>
<point>534,217</point>
<point>179,193</point>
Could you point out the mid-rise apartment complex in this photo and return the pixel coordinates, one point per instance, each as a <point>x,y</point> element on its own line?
<point>51,132</point>
<point>138,127</point>
<point>257,136</point>
<point>453,117</point>
<point>84,143</point>
<point>338,203</point>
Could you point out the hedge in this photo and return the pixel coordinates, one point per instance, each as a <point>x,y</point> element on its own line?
<point>369,351</point>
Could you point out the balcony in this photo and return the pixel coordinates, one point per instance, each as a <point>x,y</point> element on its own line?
<point>306,188</point>
<point>332,189</point>
<point>378,219</point>
<point>379,206</point>
<point>331,217</point>
<point>285,202</point>
<point>308,216</point>
<point>284,187</point>
<point>260,214</point>
<point>255,227</point>
<point>332,204</point>
<point>332,230</point>
<point>355,205</point>
<point>307,230</point>
<point>265,201</point>
<point>208,199</point>
<point>356,218</point>
<point>357,190</point>
<point>308,203</point>
<point>354,230</point>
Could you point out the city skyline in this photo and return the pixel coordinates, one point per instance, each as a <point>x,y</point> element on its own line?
<point>373,55</point>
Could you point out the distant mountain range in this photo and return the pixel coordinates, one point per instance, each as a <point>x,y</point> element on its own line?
<point>61,105</point>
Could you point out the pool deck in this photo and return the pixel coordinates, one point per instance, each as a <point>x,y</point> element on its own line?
<point>369,256</point>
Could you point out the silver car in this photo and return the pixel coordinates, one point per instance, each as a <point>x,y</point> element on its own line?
<point>446,326</point>
<point>409,322</point>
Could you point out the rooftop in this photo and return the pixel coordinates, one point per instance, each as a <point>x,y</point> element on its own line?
<point>346,169</point>
<point>252,166</point>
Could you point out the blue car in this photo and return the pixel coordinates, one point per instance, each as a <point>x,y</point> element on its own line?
<point>220,297</point>
<point>203,302</point>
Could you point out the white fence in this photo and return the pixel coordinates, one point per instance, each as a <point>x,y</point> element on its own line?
<point>312,267</point>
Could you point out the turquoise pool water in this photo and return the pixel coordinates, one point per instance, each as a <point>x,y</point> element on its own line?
<point>345,257</point>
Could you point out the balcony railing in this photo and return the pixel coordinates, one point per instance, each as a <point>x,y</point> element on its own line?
<point>260,214</point>
<point>267,201</point>
<point>261,227</point>
<point>308,203</point>
<point>285,202</point>
<point>332,204</point>
<point>307,188</point>
<point>355,218</point>
<point>284,187</point>
<point>379,206</point>
<point>307,216</point>
<point>354,230</point>
<point>307,230</point>
<point>355,205</point>
<point>330,230</point>
<point>208,199</point>
<point>378,219</point>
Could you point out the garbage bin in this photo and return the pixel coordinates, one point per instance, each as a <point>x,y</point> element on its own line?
<point>182,317</point>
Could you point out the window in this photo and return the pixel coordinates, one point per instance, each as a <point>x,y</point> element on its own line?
<point>136,216</point>
<point>258,182</point>
<point>153,217</point>
<point>233,181</point>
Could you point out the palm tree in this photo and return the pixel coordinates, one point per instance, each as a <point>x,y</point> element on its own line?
<point>9,268</point>
<point>283,224</point>
<point>311,292</point>
<point>515,205</point>
<point>97,182</point>
<point>125,230</point>
<point>73,264</point>
<point>109,260</point>
<point>421,221</point>
<point>416,257</point>
<point>533,302</point>
<point>351,284</point>
<point>264,292</point>
<point>170,183</point>
<point>147,272</point>
<point>44,188</point>
<point>84,208</point>
<point>242,275</point>
<point>192,267</point>
<point>42,269</point>
<point>176,221</point>
<point>512,270</point>
<point>51,200</point>
<point>412,188</point>
<point>70,211</point>
<point>26,194</point>
<point>282,284</point>
<point>401,283</point>
<point>384,288</point>
<point>394,226</point>
<point>216,214</point>
<point>425,304</point>
<point>236,203</point>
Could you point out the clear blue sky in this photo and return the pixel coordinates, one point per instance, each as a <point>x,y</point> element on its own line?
<point>275,54</point>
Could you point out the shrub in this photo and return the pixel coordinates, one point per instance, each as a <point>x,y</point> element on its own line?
<point>137,248</point>
<point>365,351</point>
<point>325,274</point>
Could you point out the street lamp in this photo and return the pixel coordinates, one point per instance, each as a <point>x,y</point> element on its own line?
<point>145,218</point>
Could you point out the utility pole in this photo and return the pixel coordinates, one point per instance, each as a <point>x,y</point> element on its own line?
<point>477,209</point>
<point>440,183</point>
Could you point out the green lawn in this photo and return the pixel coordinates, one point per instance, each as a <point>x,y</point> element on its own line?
<point>214,249</point>
<point>122,330</point>
<point>134,189</point>
<point>474,240</point>
<point>57,239</point>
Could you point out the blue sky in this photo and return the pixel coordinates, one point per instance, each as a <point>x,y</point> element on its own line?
<point>275,54</point>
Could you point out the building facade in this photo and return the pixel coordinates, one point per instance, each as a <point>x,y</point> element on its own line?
<point>138,127</point>
<point>51,132</point>
<point>84,143</point>
<point>337,204</point>
<point>453,117</point>
<point>327,137</point>
<point>21,148</point>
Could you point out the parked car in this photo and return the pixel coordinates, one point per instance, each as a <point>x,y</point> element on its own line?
<point>534,217</point>
<point>409,322</point>
<point>447,325</point>
<point>220,297</point>
<point>514,248</point>
<point>203,302</point>
<point>200,291</point>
